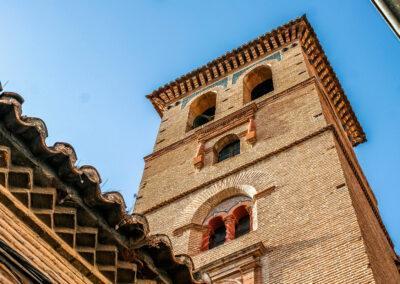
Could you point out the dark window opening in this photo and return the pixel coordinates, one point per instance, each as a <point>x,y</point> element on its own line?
<point>205,117</point>
<point>262,89</point>
<point>243,226</point>
<point>218,237</point>
<point>230,150</point>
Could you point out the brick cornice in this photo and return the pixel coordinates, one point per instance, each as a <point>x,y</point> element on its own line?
<point>297,30</point>
<point>227,64</point>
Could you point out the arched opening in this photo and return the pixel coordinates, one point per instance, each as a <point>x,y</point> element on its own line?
<point>243,222</point>
<point>227,147</point>
<point>228,220</point>
<point>220,201</point>
<point>202,110</point>
<point>257,83</point>
<point>218,232</point>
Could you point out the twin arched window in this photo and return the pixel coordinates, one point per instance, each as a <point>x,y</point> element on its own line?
<point>227,221</point>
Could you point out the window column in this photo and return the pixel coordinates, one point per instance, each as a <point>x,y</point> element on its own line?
<point>230,223</point>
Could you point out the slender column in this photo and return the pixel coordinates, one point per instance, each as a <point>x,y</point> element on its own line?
<point>230,222</point>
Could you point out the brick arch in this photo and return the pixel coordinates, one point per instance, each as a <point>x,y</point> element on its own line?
<point>199,207</point>
<point>231,137</point>
<point>209,202</point>
<point>244,183</point>
<point>251,69</point>
<point>241,78</point>
<point>255,78</point>
<point>199,105</point>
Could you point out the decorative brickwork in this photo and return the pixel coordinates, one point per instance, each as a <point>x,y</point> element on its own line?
<point>313,217</point>
<point>299,29</point>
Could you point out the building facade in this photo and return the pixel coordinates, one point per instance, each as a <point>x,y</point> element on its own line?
<point>253,172</point>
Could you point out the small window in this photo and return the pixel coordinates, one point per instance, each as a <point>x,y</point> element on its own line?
<point>230,150</point>
<point>226,147</point>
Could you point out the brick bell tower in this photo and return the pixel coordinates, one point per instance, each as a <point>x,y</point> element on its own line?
<point>253,173</point>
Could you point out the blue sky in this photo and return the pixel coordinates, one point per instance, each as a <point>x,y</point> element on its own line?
<point>85,67</point>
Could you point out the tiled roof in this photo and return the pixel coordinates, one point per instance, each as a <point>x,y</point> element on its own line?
<point>76,194</point>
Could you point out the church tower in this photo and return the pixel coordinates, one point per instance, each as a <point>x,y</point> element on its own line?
<point>253,172</point>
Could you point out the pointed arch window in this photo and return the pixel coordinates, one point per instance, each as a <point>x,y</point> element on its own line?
<point>257,83</point>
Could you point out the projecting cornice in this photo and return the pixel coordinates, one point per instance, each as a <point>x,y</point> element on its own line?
<point>297,30</point>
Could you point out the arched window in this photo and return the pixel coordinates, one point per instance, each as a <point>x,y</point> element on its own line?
<point>230,150</point>
<point>228,220</point>
<point>201,111</point>
<point>227,147</point>
<point>218,232</point>
<point>242,221</point>
<point>257,83</point>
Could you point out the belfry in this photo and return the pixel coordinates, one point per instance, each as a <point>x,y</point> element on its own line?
<point>253,173</point>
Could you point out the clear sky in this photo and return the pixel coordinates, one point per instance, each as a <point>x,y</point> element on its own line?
<point>85,67</point>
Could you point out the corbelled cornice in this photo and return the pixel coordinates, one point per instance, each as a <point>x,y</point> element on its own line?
<point>297,30</point>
